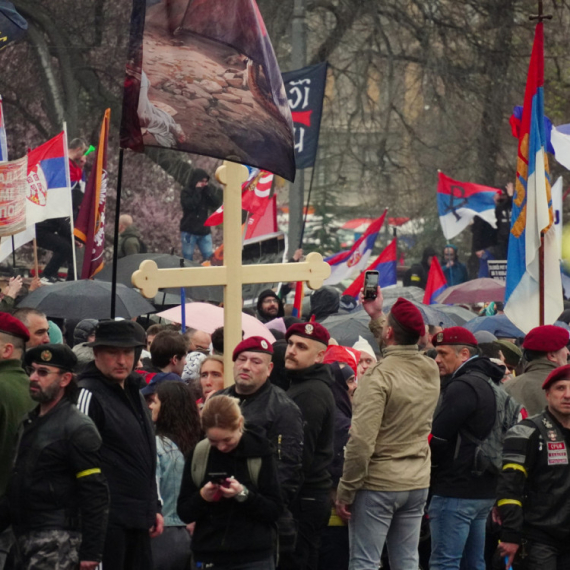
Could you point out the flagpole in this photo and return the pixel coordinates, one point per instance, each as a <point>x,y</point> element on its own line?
<point>116,235</point>
<point>71,222</point>
<point>13,252</point>
<point>36,266</point>
<point>540,17</point>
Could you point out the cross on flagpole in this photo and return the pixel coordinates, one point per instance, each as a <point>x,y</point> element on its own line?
<point>232,274</point>
<point>540,16</point>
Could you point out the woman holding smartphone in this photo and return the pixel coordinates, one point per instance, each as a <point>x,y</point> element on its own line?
<point>230,490</point>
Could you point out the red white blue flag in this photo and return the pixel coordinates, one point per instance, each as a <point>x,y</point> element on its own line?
<point>385,264</point>
<point>436,282</point>
<point>532,213</point>
<point>49,188</point>
<point>459,202</point>
<point>345,263</point>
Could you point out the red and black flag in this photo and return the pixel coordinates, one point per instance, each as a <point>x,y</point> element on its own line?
<point>202,77</point>
<point>305,93</point>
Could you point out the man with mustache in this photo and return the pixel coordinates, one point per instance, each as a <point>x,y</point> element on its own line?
<point>110,397</point>
<point>58,500</point>
<point>311,390</point>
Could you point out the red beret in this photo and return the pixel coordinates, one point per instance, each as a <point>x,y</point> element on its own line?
<point>344,354</point>
<point>13,326</point>
<point>547,338</point>
<point>562,373</point>
<point>252,344</point>
<point>454,335</point>
<point>314,331</point>
<point>409,316</point>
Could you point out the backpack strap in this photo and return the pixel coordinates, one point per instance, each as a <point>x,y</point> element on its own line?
<point>200,462</point>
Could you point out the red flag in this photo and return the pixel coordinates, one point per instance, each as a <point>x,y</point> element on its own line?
<point>298,302</point>
<point>90,225</point>
<point>436,282</point>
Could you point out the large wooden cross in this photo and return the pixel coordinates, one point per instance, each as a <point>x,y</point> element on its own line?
<point>232,275</point>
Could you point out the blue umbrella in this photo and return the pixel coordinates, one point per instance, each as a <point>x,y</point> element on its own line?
<point>499,325</point>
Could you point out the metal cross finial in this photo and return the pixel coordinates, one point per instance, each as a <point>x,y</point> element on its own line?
<point>540,16</point>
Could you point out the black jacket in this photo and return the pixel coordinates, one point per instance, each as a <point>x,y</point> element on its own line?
<point>56,482</point>
<point>128,452</point>
<point>467,403</point>
<point>227,530</point>
<point>311,390</point>
<point>197,204</point>
<point>279,419</point>
<point>342,421</point>
<point>324,302</point>
<point>533,495</point>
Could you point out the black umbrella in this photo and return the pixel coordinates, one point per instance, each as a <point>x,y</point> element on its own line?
<point>127,265</point>
<point>86,299</point>
<point>346,329</point>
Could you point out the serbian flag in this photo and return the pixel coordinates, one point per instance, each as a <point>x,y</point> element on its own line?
<point>346,263</point>
<point>385,264</point>
<point>436,283</point>
<point>298,302</point>
<point>217,217</point>
<point>206,66</point>
<point>3,141</point>
<point>90,225</point>
<point>533,212</point>
<point>459,202</point>
<point>49,188</point>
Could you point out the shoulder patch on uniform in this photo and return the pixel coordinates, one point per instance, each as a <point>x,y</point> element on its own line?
<point>521,430</point>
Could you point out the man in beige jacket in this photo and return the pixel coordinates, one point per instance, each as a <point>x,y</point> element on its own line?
<point>386,474</point>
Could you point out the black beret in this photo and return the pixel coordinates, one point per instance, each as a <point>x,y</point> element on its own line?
<point>59,355</point>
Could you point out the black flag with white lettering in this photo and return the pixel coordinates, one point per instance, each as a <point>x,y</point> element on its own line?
<point>305,93</point>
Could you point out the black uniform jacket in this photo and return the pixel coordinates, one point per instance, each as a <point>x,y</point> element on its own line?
<point>534,487</point>
<point>57,483</point>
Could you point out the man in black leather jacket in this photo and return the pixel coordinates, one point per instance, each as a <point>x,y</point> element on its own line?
<point>58,498</point>
<point>534,487</point>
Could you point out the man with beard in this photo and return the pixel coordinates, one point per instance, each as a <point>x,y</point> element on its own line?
<point>198,200</point>
<point>269,306</point>
<point>58,498</point>
<point>110,397</point>
<point>311,390</point>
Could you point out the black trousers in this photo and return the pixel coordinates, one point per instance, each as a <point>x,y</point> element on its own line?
<point>311,510</point>
<point>544,557</point>
<point>62,252</point>
<point>127,549</point>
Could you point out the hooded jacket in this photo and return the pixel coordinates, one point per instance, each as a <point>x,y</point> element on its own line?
<point>467,403</point>
<point>129,241</point>
<point>228,530</point>
<point>260,314</point>
<point>197,203</point>
<point>311,390</point>
<point>325,302</point>
<point>417,275</point>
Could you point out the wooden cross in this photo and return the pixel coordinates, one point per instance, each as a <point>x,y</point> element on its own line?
<point>232,275</point>
<point>540,16</point>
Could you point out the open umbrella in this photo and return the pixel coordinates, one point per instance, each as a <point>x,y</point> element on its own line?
<point>430,315</point>
<point>86,299</point>
<point>127,265</point>
<point>459,314</point>
<point>482,290</point>
<point>208,318</point>
<point>499,325</point>
<point>346,329</point>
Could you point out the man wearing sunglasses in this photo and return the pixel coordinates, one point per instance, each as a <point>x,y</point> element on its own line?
<point>58,497</point>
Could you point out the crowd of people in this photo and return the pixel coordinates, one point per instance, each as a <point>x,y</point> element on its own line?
<point>126,448</point>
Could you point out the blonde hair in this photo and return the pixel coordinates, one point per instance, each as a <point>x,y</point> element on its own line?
<point>222,412</point>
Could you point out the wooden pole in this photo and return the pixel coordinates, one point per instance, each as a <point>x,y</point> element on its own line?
<point>541,280</point>
<point>116,236</point>
<point>36,267</point>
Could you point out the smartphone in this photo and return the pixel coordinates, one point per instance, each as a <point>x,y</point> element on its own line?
<point>217,478</point>
<point>370,284</point>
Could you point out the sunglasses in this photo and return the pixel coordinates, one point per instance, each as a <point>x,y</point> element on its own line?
<point>41,372</point>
